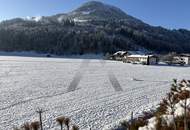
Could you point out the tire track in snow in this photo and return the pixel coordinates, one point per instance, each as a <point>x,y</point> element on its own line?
<point>78,76</point>
<point>115,83</point>
<point>112,78</point>
<point>75,82</point>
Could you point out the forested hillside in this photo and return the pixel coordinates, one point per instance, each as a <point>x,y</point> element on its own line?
<point>92,28</point>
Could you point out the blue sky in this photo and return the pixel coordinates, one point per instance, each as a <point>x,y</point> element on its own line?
<point>166,13</point>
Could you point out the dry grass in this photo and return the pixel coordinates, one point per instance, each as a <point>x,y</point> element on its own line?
<point>74,127</point>
<point>176,94</point>
<point>35,125</point>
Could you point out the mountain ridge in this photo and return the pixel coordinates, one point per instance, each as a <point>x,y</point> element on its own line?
<point>94,27</point>
<point>98,11</point>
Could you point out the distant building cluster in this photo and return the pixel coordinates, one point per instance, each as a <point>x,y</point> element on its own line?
<point>150,59</point>
<point>134,58</point>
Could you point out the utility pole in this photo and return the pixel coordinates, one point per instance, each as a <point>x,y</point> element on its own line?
<point>40,111</point>
<point>131,121</point>
<point>132,117</point>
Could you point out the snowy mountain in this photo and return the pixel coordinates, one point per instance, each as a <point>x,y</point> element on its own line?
<point>99,11</point>
<point>96,10</point>
<point>93,10</point>
<point>94,27</point>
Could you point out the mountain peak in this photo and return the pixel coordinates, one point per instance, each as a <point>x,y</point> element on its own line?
<point>98,10</point>
<point>93,3</point>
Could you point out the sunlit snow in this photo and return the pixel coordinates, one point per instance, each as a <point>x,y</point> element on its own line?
<point>27,83</point>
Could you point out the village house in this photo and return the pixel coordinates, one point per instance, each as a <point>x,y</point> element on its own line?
<point>142,59</point>
<point>185,58</point>
<point>119,55</point>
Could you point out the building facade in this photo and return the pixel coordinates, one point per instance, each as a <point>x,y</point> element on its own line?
<point>183,57</point>
<point>142,59</point>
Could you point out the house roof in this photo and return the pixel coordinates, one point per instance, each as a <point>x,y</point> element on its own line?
<point>184,55</point>
<point>140,56</point>
<point>120,53</point>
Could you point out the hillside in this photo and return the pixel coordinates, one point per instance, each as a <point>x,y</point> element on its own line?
<point>94,27</point>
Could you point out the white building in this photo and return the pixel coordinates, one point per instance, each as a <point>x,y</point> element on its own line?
<point>142,59</point>
<point>183,57</point>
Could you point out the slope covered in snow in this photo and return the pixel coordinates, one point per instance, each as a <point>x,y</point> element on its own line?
<point>93,93</point>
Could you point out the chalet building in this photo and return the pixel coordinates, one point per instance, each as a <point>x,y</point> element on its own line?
<point>119,55</point>
<point>142,59</point>
<point>184,58</point>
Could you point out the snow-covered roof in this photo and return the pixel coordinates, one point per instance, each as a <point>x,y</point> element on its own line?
<point>120,53</point>
<point>183,55</point>
<point>140,56</point>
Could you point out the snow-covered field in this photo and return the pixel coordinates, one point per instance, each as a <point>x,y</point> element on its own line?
<point>93,93</point>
